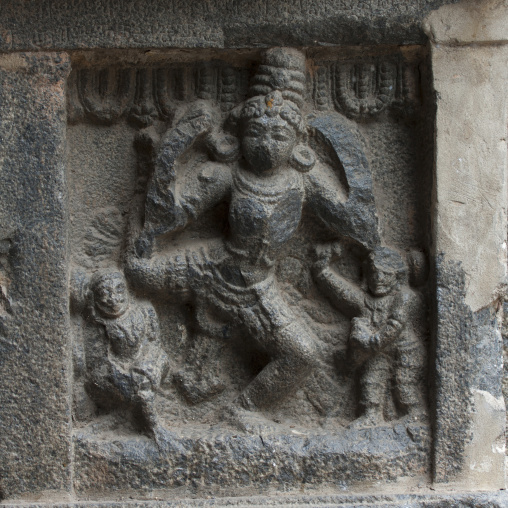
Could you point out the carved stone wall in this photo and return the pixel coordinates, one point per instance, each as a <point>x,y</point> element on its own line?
<point>258,268</point>
<point>252,252</point>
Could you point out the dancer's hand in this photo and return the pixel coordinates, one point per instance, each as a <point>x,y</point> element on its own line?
<point>143,246</point>
<point>198,119</point>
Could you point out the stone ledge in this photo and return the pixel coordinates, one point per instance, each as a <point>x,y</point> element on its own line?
<point>72,25</point>
<point>477,500</point>
<point>218,463</point>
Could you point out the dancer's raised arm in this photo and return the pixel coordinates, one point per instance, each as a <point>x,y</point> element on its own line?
<point>172,202</point>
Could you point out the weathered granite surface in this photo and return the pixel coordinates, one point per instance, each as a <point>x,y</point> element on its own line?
<point>227,270</point>
<point>430,500</point>
<point>223,462</point>
<point>471,85</point>
<point>35,416</point>
<point>85,24</point>
<point>236,411</point>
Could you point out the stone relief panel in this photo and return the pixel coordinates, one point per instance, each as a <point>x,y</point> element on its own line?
<point>249,258</point>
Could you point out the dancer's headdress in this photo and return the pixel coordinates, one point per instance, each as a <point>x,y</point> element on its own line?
<point>277,88</point>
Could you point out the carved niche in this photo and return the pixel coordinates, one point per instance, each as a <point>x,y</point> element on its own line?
<point>248,242</point>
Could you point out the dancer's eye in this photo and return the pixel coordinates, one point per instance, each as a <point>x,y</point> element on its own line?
<point>253,132</point>
<point>281,135</point>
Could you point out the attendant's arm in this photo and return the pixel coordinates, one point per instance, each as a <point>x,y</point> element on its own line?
<point>152,323</point>
<point>78,283</point>
<point>387,333</point>
<point>345,296</point>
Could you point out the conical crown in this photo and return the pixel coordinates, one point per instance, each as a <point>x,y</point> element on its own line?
<point>283,70</point>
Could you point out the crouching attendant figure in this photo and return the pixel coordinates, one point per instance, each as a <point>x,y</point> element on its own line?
<point>125,359</point>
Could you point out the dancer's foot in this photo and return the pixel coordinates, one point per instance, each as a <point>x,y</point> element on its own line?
<point>248,421</point>
<point>371,418</point>
<point>198,388</point>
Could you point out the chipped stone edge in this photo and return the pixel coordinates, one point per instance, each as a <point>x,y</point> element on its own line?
<point>475,418</point>
<point>469,22</point>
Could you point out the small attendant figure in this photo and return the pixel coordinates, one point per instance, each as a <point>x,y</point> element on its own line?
<point>126,362</point>
<point>382,336</point>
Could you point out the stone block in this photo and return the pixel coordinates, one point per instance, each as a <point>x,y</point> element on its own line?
<point>35,404</point>
<point>253,254</point>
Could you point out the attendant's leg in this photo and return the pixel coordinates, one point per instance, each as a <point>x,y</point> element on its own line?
<point>373,384</point>
<point>410,375</point>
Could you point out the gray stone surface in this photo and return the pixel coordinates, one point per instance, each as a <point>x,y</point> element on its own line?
<point>471,85</point>
<point>269,383</point>
<point>469,432</point>
<point>232,272</point>
<point>85,24</point>
<point>473,178</point>
<point>423,500</point>
<point>35,417</point>
<point>469,22</point>
<point>223,461</point>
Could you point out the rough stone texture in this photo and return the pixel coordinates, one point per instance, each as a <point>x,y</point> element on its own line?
<point>471,88</point>
<point>469,22</point>
<point>207,462</point>
<point>85,24</point>
<point>470,419</point>
<point>146,173</point>
<point>505,352</point>
<point>137,434</point>
<point>429,500</point>
<point>471,175</point>
<point>34,318</point>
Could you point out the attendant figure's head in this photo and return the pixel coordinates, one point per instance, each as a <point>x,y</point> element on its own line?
<point>385,271</point>
<point>110,293</point>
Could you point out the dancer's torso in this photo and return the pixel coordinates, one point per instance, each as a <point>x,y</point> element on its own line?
<point>264,214</point>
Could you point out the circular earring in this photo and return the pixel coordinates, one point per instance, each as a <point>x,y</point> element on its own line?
<point>303,158</point>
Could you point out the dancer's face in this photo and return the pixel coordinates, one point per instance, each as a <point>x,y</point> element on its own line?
<point>267,143</point>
